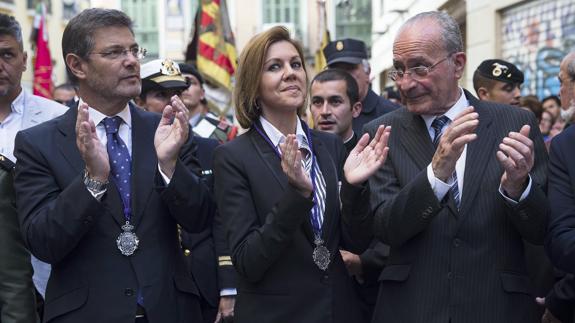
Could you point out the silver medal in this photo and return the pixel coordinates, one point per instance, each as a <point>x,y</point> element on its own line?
<point>321,255</point>
<point>127,241</point>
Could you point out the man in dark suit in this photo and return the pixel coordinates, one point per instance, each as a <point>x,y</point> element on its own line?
<point>102,188</point>
<point>561,300</point>
<point>460,190</point>
<point>17,301</point>
<point>335,102</point>
<point>162,79</point>
<point>350,55</point>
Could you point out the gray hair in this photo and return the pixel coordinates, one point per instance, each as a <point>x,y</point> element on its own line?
<point>78,37</point>
<point>451,34</point>
<point>571,66</point>
<point>9,26</point>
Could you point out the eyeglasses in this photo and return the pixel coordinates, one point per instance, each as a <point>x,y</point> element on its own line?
<point>417,73</point>
<point>116,53</point>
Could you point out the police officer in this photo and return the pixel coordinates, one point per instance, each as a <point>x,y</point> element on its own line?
<point>161,79</point>
<point>498,81</point>
<point>351,55</point>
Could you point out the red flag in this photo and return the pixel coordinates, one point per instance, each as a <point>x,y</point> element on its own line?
<point>42,62</point>
<point>216,46</point>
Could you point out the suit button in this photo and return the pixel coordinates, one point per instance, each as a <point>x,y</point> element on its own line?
<point>456,242</point>
<point>187,252</point>
<point>88,220</point>
<point>324,278</point>
<point>523,215</point>
<point>449,275</point>
<point>129,292</point>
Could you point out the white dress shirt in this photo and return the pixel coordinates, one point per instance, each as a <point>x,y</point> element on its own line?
<point>441,188</point>
<point>11,125</point>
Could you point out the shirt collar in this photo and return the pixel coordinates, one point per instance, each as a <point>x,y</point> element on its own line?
<point>459,106</point>
<point>98,116</point>
<point>276,137</point>
<point>18,103</point>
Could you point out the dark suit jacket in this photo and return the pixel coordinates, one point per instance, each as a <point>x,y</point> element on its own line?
<point>17,300</point>
<point>202,259</point>
<point>63,224</point>
<point>561,299</point>
<point>562,199</point>
<point>268,226</point>
<point>372,106</point>
<point>559,244</point>
<point>456,266</point>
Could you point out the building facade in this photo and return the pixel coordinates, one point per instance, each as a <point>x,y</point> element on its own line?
<point>533,34</point>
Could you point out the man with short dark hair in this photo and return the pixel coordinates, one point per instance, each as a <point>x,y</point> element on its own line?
<point>350,55</point>
<point>462,186</point>
<point>334,104</point>
<point>101,189</point>
<point>498,81</point>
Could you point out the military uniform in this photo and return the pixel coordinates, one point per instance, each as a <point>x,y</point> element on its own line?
<point>17,296</point>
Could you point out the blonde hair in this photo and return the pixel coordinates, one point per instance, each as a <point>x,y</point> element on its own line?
<point>249,73</point>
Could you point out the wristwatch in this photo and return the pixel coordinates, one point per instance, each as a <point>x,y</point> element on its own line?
<point>94,186</point>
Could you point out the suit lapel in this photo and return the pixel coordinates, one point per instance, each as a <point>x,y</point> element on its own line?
<point>478,154</point>
<point>144,164</point>
<point>417,141</point>
<point>68,148</point>
<point>269,156</point>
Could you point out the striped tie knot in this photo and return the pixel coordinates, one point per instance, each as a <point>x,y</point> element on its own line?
<point>437,126</point>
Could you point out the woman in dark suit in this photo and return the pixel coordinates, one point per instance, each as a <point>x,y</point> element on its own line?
<point>278,192</point>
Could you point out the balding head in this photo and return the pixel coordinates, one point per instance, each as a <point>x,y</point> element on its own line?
<point>567,79</point>
<point>428,58</point>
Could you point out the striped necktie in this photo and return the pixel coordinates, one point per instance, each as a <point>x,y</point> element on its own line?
<point>437,125</point>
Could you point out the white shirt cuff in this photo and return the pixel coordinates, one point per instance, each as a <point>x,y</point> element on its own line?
<point>439,187</point>
<point>228,292</point>
<point>521,198</point>
<point>164,176</point>
<point>98,195</point>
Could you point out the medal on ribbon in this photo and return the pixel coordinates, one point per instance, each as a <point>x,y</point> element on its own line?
<point>127,241</point>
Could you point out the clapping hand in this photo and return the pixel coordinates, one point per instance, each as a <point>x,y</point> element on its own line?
<point>458,134</point>
<point>516,156</point>
<point>293,168</point>
<point>91,149</point>
<point>171,135</point>
<point>365,159</point>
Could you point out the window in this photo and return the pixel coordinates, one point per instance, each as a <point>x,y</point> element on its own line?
<point>353,20</point>
<point>144,12</point>
<point>282,11</point>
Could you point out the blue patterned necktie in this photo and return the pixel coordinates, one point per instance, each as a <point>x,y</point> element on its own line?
<point>437,125</point>
<point>120,166</point>
<point>120,162</point>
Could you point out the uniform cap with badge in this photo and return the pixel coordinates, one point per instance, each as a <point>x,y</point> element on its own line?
<point>350,51</point>
<point>500,70</point>
<point>161,74</point>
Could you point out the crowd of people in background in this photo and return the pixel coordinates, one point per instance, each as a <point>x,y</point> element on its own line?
<point>125,199</point>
